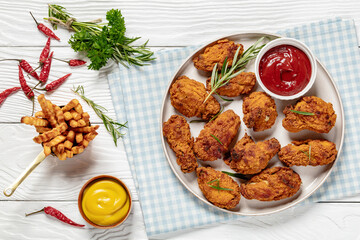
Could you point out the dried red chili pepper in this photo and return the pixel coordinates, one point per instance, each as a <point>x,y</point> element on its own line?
<point>73,62</point>
<point>45,52</point>
<point>26,89</point>
<point>7,92</point>
<point>47,31</point>
<point>55,84</point>
<point>24,65</point>
<point>57,214</point>
<point>44,74</point>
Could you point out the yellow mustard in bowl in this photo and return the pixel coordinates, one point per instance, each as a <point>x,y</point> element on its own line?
<point>105,201</point>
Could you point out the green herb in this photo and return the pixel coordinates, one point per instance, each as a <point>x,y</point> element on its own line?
<point>217,186</point>
<point>226,74</point>
<point>102,41</point>
<point>302,113</point>
<point>237,175</point>
<point>222,109</point>
<point>197,120</point>
<point>308,154</point>
<point>111,126</point>
<point>216,139</point>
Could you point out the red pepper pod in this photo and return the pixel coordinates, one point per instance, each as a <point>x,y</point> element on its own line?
<point>57,83</point>
<point>7,92</point>
<point>45,52</point>
<point>26,89</point>
<point>44,29</point>
<point>45,71</point>
<point>59,215</point>
<point>76,62</point>
<point>27,68</point>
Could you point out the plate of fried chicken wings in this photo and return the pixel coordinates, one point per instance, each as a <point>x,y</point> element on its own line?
<point>236,148</point>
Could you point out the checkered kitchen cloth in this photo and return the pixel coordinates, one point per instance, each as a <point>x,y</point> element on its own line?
<point>137,95</point>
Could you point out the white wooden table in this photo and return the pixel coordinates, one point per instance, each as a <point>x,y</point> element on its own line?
<point>167,24</point>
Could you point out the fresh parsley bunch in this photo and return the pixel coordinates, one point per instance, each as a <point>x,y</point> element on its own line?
<point>102,42</point>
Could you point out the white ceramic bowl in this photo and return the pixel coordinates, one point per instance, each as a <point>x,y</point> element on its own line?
<point>291,42</point>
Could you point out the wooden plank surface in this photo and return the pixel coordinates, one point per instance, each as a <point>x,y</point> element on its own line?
<point>167,24</point>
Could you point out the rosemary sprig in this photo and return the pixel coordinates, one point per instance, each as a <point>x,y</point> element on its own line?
<point>215,116</point>
<point>217,186</point>
<point>237,175</point>
<point>308,154</point>
<point>218,80</point>
<point>303,113</point>
<point>111,126</point>
<point>216,139</point>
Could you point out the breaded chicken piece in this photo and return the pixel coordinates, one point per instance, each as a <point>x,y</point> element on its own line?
<point>272,184</point>
<point>224,128</point>
<point>187,96</point>
<point>308,152</point>
<point>259,111</point>
<point>208,177</point>
<point>248,157</point>
<point>177,133</point>
<point>241,84</point>
<point>217,54</point>
<point>322,120</point>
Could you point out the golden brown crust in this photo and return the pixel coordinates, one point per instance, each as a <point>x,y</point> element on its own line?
<point>217,54</point>
<point>272,184</point>
<point>322,121</point>
<point>259,111</point>
<point>187,96</point>
<point>225,128</point>
<point>248,157</point>
<point>241,84</point>
<point>321,152</point>
<point>177,133</point>
<point>221,198</point>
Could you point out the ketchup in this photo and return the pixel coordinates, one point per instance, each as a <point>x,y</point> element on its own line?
<point>285,70</point>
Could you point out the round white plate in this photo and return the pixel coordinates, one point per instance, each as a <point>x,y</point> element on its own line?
<point>312,177</point>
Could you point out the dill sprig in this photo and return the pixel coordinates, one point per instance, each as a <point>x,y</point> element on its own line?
<point>111,126</point>
<point>303,113</point>
<point>226,74</point>
<point>308,153</point>
<point>216,139</point>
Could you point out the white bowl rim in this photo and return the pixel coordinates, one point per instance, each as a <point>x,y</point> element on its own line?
<point>292,42</point>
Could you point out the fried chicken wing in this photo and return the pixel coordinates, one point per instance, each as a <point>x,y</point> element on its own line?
<point>241,84</point>
<point>177,133</point>
<point>215,138</point>
<point>217,54</point>
<point>208,177</point>
<point>308,152</point>
<point>248,157</point>
<point>187,96</point>
<point>322,120</point>
<point>259,111</point>
<point>272,184</point>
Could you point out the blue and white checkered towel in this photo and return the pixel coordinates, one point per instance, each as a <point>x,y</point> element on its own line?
<point>137,95</point>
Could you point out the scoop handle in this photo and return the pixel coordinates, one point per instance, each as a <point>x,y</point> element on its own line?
<point>11,189</point>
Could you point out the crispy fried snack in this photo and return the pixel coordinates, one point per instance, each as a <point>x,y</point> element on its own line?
<point>322,120</point>
<point>208,177</point>
<point>37,122</point>
<point>308,152</point>
<point>272,184</point>
<point>216,136</point>
<point>177,133</point>
<point>217,54</point>
<point>187,96</point>
<point>248,157</point>
<point>241,84</point>
<point>53,124</point>
<point>259,111</point>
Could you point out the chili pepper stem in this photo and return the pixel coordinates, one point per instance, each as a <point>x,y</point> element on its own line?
<point>28,214</point>
<point>34,18</point>
<point>60,60</point>
<point>10,59</point>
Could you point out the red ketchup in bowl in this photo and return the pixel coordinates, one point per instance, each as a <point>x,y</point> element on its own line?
<point>285,70</point>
